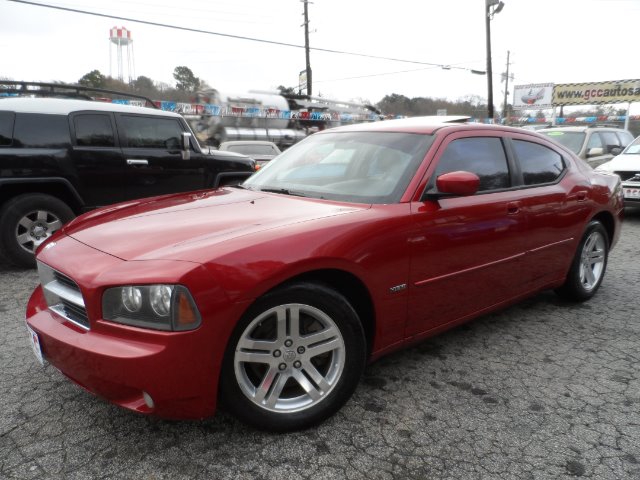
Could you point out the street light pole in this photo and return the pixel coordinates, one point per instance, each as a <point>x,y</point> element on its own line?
<point>489,13</point>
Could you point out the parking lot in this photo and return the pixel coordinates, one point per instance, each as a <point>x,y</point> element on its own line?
<point>542,390</point>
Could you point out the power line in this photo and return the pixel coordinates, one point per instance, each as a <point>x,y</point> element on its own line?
<point>237,37</point>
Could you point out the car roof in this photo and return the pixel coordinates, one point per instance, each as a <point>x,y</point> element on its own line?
<point>423,125</point>
<point>65,106</point>
<point>579,128</point>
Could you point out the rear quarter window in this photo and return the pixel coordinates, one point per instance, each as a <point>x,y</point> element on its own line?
<point>35,130</point>
<point>7,119</point>
<point>539,164</point>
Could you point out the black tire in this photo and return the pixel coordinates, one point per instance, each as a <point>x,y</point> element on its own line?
<point>306,386</point>
<point>28,220</point>
<point>588,266</point>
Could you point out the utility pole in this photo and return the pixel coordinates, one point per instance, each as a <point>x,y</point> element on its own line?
<point>506,89</point>
<point>489,69</point>
<point>306,44</point>
<point>491,8</point>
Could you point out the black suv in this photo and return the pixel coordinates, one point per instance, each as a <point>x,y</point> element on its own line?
<point>62,157</point>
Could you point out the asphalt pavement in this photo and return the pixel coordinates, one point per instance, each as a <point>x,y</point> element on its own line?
<point>542,390</point>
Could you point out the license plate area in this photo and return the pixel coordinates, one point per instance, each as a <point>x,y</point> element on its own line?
<point>632,192</point>
<point>34,340</point>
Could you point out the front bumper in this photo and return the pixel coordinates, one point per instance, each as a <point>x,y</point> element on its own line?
<point>178,371</point>
<point>121,363</point>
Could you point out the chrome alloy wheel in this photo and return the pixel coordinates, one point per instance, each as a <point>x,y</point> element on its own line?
<point>289,358</point>
<point>592,260</point>
<point>35,227</point>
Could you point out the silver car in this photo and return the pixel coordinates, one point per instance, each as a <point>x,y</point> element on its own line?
<point>595,144</point>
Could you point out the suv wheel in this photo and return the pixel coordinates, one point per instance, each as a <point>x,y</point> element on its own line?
<point>28,220</point>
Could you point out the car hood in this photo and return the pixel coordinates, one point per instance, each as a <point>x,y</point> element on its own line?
<point>170,227</point>
<point>622,163</point>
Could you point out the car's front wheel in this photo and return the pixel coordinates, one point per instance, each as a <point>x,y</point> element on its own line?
<point>294,359</point>
<point>28,220</point>
<point>588,266</point>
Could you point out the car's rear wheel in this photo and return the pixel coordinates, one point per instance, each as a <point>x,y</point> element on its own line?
<point>28,220</point>
<point>294,359</point>
<point>589,264</point>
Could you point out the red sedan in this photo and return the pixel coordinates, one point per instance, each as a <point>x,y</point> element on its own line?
<point>272,296</point>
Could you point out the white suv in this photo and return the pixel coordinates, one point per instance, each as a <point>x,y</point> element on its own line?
<point>595,144</point>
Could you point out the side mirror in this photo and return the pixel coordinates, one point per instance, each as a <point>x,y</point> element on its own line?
<point>595,152</point>
<point>615,150</point>
<point>455,184</point>
<point>186,146</point>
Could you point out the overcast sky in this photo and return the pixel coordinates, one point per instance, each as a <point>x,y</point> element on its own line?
<point>551,41</point>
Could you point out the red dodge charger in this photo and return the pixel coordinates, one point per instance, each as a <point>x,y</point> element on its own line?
<point>271,297</point>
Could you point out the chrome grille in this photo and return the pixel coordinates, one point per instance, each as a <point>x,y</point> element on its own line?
<point>65,280</point>
<point>63,295</point>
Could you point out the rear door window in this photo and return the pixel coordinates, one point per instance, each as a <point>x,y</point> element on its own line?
<point>7,120</point>
<point>538,163</point>
<point>625,137</point>
<point>35,130</point>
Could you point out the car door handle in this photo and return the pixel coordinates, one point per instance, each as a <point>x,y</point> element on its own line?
<point>135,161</point>
<point>582,196</point>
<point>513,208</point>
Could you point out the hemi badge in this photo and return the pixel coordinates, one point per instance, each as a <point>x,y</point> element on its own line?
<point>398,288</point>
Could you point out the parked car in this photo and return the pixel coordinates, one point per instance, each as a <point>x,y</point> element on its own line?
<point>596,144</point>
<point>260,151</point>
<point>61,157</point>
<point>627,166</point>
<point>271,296</point>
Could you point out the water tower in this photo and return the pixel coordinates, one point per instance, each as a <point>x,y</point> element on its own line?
<point>121,38</point>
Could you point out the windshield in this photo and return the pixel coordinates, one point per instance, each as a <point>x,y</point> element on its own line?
<point>360,167</point>
<point>572,140</point>
<point>633,148</point>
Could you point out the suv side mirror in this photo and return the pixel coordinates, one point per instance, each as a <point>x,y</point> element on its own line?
<point>186,146</point>
<point>595,152</point>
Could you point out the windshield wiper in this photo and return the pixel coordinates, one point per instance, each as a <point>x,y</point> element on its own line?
<point>283,191</point>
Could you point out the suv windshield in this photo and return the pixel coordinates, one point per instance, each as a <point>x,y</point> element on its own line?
<point>572,140</point>
<point>361,167</point>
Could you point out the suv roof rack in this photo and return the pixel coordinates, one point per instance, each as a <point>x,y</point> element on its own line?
<point>63,90</point>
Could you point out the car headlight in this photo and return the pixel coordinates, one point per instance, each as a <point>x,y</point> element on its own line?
<point>160,307</point>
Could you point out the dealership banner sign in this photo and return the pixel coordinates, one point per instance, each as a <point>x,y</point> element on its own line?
<point>539,95</point>
<point>620,91</point>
